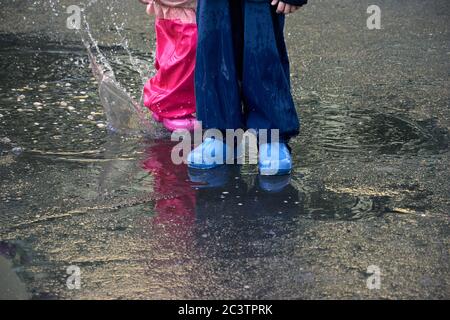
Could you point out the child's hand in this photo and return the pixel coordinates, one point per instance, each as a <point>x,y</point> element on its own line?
<point>283,7</point>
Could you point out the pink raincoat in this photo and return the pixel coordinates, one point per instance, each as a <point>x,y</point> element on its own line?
<point>170,94</point>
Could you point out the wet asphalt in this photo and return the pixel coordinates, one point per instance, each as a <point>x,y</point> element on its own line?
<point>369,187</point>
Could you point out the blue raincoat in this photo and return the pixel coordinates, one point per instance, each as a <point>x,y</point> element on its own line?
<point>242,77</point>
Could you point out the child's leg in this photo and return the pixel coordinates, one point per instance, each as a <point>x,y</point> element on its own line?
<point>242,57</point>
<point>170,94</point>
<point>266,78</point>
<point>218,62</point>
<point>241,48</point>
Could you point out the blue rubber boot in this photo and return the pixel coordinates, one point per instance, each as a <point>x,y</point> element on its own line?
<point>212,153</point>
<point>274,159</point>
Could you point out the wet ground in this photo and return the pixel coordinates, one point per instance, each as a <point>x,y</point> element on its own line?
<point>369,188</point>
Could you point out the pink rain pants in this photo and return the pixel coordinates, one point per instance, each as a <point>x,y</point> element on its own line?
<point>170,93</point>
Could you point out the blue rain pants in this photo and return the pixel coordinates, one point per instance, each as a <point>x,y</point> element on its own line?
<point>242,77</point>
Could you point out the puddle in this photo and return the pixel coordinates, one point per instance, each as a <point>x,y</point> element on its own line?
<point>338,129</point>
<point>368,186</point>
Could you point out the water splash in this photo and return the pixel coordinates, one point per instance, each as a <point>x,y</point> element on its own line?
<point>123,113</point>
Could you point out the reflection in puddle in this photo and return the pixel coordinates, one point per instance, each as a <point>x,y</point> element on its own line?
<point>233,191</point>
